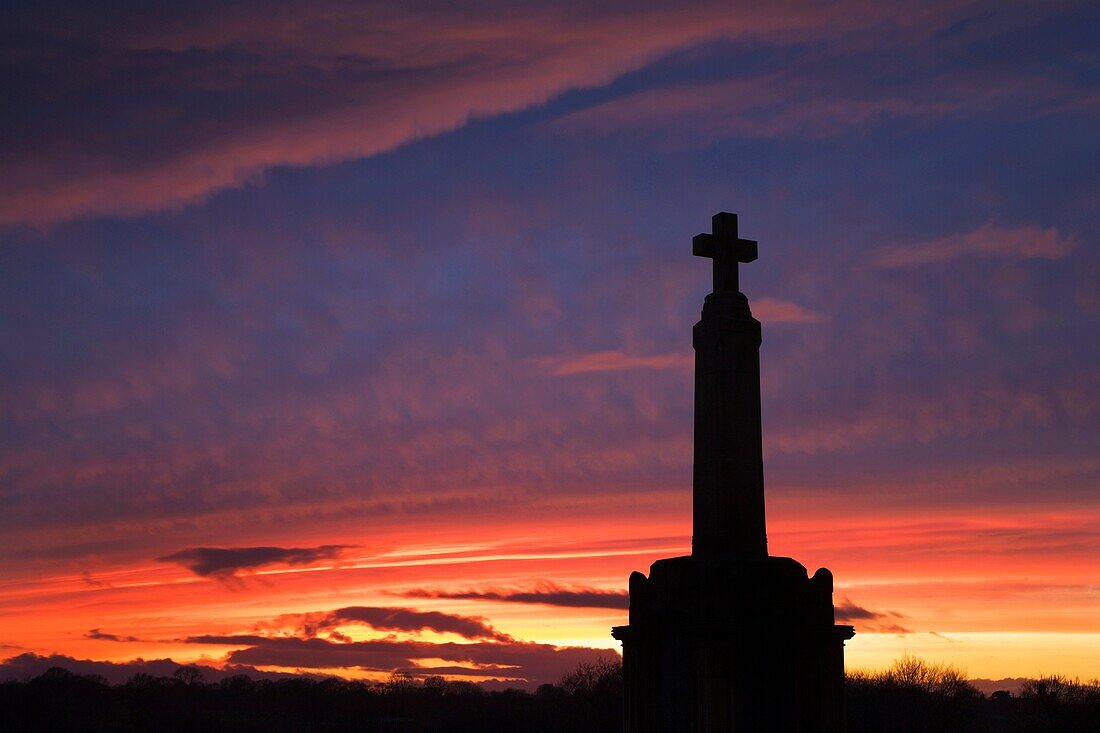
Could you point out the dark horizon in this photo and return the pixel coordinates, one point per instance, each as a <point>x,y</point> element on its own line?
<point>911,696</point>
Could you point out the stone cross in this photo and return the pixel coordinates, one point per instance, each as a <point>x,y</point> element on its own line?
<point>723,246</point>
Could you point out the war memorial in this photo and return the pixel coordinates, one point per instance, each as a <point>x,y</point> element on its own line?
<point>730,638</point>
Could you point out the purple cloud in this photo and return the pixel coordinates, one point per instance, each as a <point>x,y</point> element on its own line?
<point>331,81</point>
<point>392,619</point>
<point>29,665</point>
<point>102,636</point>
<point>527,662</point>
<point>224,562</point>
<point>868,621</point>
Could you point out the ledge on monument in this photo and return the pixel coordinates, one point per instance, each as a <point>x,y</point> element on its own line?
<point>732,589</point>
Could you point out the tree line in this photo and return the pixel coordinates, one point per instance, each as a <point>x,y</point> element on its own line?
<point>911,697</point>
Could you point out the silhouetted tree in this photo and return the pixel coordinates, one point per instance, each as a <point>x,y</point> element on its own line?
<point>911,696</point>
<point>188,674</point>
<point>1059,704</point>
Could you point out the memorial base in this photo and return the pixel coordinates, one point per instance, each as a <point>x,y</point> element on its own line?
<point>723,643</point>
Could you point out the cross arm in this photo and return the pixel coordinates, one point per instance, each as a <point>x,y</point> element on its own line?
<point>723,241</point>
<point>708,245</point>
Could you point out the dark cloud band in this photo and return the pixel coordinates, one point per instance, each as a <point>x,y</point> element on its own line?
<point>543,593</point>
<point>226,561</point>
<point>527,661</point>
<point>394,619</point>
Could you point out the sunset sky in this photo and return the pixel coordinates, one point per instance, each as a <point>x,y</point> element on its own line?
<point>350,338</point>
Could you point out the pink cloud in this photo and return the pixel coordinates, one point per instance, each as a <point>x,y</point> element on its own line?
<point>767,106</point>
<point>960,409</point>
<point>774,310</point>
<point>795,103</point>
<point>988,240</point>
<point>613,361</point>
<point>331,82</point>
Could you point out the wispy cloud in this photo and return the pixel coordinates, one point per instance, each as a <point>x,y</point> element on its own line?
<point>225,562</point>
<point>773,311</point>
<point>812,97</point>
<point>102,636</point>
<point>543,593</point>
<point>612,361</point>
<point>868,621</point>
<point>308,625</point>
<point>765,106</point>
<point>988,240</point>
<point>93,582</point>
<point>358,81</point>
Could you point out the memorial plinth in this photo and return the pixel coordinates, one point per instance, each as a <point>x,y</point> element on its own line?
<point>730,638</point>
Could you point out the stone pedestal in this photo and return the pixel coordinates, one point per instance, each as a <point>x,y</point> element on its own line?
<point>732,644</point>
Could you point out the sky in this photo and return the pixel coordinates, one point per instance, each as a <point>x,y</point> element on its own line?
<point>356,338</point>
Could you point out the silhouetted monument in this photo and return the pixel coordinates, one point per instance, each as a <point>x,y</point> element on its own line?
<point>730,638</point>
